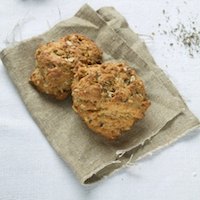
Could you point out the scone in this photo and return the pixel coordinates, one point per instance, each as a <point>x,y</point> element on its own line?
<point>109,97</point>
<point>56,61</point>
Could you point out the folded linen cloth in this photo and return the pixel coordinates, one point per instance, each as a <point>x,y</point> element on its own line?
<point>91,158</point>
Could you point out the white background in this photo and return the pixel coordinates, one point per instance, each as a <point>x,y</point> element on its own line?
<point>29,167</point>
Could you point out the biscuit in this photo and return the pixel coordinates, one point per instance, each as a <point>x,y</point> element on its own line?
<point>109,97</point>
<point>56,61</point>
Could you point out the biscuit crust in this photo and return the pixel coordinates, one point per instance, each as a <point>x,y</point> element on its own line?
<point>109,97</point>
<point>56,61</point>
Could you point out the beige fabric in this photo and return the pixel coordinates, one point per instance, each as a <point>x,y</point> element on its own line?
<point>90,157</point>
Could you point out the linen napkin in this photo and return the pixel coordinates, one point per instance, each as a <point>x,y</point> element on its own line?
<point>90,157</point>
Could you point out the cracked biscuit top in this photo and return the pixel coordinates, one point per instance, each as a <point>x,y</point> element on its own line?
<point>109,97</point>
<point>56,61</point>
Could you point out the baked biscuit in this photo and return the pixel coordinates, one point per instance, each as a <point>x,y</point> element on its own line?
<point>56,61</point>
<point>109,97</point>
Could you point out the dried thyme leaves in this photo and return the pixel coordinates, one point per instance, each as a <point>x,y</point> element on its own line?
<point>189,37</point>
<point>186,35</point>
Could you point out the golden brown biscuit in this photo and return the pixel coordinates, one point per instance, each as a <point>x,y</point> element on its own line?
<point>109,97</point>
<point>55,62</point>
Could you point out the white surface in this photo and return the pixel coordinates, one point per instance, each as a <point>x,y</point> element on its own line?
<point>30,169</point>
